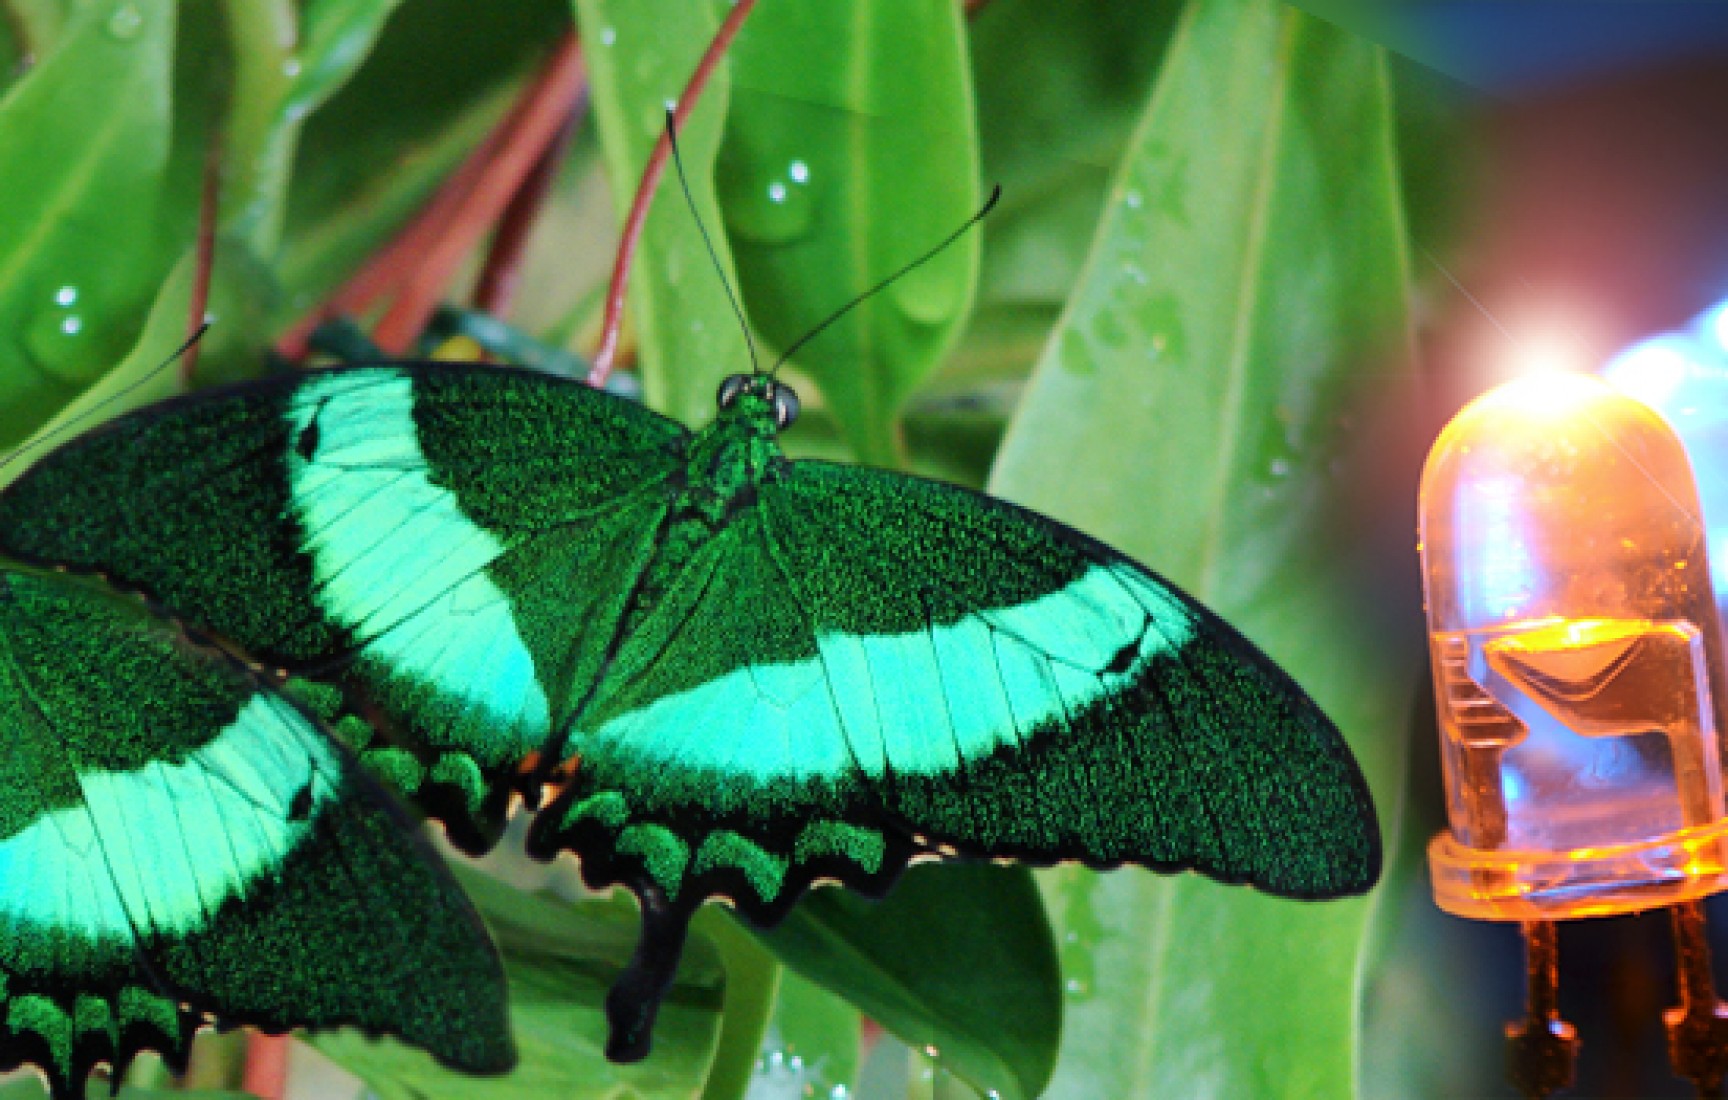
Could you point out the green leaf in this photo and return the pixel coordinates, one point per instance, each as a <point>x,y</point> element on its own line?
<point>441,73</point>
<point>752,982</point>
<point>1059,88</point>
<point>560,957</point>
<point>957,958</point>
<point>1201,392</point>
<point>850,150</point>
<point>812,1046</point>
<point>84,138</point>
<point>640,54</point>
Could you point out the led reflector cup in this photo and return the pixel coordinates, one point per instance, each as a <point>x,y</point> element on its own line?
<point>1577,658</point>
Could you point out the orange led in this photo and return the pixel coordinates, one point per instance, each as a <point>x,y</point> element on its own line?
<point>1578,672</point>
<point>1577,658</point>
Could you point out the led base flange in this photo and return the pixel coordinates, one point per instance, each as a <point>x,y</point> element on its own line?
<point>1523,885</point>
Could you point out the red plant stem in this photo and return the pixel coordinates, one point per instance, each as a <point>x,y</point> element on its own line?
<point>502,271</point>
<point>495,167</point>
<point>205,261</point>
<point>607,352</point>
<point>378,275</point>
<point>546,112</point>
<point>266,1073</point>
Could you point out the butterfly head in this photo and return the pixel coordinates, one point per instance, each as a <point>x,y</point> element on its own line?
<point>758,399</point>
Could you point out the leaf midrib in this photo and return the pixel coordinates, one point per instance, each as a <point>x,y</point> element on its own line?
<point>1247,298</point>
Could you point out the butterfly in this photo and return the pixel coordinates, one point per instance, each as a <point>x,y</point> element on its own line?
<point>740,674</point>
<point>180,843</point>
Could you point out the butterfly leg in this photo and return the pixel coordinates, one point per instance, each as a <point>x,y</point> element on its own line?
<point>635,997</point>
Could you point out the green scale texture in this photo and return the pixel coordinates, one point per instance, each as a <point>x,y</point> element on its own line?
<point>747,672</point>
<point>172,833</point>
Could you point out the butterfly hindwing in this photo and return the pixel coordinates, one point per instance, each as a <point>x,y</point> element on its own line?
<point>174,833</point>
<point>417,533</point>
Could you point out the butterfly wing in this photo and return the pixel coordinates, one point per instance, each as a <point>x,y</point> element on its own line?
<point>1044,697</point>
<point>443,538</point>
<point>864,666</point>
<point>178,843</point>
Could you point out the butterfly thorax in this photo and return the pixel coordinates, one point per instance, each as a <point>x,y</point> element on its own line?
<point>727,460</point>
<point>725,463</point>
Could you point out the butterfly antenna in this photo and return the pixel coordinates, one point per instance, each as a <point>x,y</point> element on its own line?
<point>989,204</point>
<point>84,417</point>
<point>714,257</point>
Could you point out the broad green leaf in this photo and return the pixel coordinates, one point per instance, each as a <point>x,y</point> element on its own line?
<point>812,1045</point>
<point>1059,89</point>
<point>1245,290</point>
<point>958,958</point>
<point>84,138</point>
<point>1430,1024</point>
<point>850,150</point>
<point>286,60</point>
<point>323,246</point>
<point>752,983</point>
<point>229,350</point>
<point>561,958</point>
<point>440,75</point>
<point>640,55</point>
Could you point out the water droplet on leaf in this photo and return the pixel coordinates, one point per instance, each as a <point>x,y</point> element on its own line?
<point>56,341</point>
<point>776,210</point>
<point>126,22</point>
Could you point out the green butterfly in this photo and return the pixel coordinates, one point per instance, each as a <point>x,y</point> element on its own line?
<point>180,843</point>
<point>741,673</point>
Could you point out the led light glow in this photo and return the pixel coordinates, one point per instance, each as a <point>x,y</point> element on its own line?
<point>1577,658</point>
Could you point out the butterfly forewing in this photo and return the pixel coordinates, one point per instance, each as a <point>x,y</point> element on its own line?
<point>1064,702</point>
<point>446,542</point>
<point>175,833</point>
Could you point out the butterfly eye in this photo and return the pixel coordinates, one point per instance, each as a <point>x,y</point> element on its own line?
<point>785,406</point>
<point>734,385</point>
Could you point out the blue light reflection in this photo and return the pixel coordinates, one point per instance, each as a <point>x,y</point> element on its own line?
<point>1684,376</point>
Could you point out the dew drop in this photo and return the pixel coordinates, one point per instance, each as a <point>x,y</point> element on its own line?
<point>1074,987</point>
<point>1280,467</point>
<point>66,295</point>
<point>56,343</point>
<point>1132,200</point>
<point>608,35</point>
<point>770,209</point>
<point>125,23</point>
<point>1135,274</point>
<point>291,68</point>
<point>838,1092</point>
<point>1107,331</point>
<point>931,1052</point>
